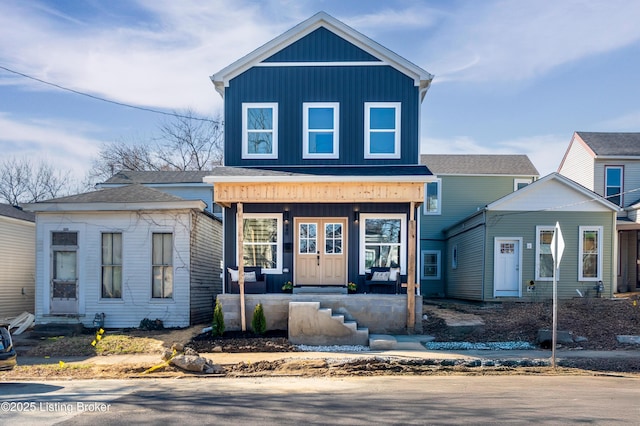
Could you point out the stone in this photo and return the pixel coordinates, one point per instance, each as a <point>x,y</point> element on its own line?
<point>178,347</point>
<point>624,338</point>
<point>546,336</point>
<point>217,349</point>
<point>190,362</point>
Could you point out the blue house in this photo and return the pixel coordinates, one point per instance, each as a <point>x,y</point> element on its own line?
<point>322,178</point>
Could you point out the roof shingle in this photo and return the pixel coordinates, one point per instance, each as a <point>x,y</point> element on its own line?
<point>603,143</point>
<point>443,164</point>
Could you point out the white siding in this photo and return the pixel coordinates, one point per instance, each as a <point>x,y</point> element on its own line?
<point>17,266</point>
<point>136,303</point>
<point>578,165</point>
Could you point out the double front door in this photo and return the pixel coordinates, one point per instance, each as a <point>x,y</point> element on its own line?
<point>320,251</point>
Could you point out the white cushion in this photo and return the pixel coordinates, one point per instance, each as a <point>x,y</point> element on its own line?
<point>250,277</point>
<point>233,273</point>
<point>380,276</point>
<point>393,275</point>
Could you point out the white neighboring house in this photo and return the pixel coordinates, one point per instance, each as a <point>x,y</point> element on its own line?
<point>131,252</point>
<point>17,261</point>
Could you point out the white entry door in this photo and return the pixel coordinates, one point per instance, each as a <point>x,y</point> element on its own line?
<point>321,251</point>
<point>506,272</point>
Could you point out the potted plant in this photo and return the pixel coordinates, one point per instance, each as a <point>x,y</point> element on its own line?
<point>287,287</point>
<point>352,288</point>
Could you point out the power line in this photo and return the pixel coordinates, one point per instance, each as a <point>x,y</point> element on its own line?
<point>77,92</point>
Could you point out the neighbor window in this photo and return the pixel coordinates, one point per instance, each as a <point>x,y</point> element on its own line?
<point>262,241</point>
<point>321,130</point>
<point>521,183</point>
<point>430,264</point>
<point>382,130</point>
<point>613,184</point>
<point>590,252</point>
<point>162,263</point>
<point>544,259</point>
<point>111,265</point>
<point>383,241</point>
<point>432,197</point>
<point>454,257</point>
<point>260,130</point>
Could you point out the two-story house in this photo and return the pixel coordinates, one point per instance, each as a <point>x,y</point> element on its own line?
<point>322,179</point>
<point>465,184</point>
<point>609,165</point>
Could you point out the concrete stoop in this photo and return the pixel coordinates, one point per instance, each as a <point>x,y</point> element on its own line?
<point>309,324</point>
<point>385,342</point>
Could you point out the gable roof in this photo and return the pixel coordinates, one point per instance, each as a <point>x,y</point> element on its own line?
<point>611,144</point>
<point>421,77</point>
<point>129,197</point>
<point>16,213</point>
<point>446,164</point>
<point>156,177</point>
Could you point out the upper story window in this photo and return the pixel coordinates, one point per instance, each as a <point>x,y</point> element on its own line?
<point>432,192</point>
<point>321,130</point>
<point>260,130</point>
<point>613,184</point>
<point>382,130</point>
<point>521,183</point>
<point>590,253</point>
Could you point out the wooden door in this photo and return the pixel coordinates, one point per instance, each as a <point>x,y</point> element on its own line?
<point>320,251</point>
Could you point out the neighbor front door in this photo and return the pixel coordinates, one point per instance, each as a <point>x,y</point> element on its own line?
<point>320,251</point>
<point>506,271</point>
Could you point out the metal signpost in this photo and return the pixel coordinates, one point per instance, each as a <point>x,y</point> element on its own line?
<point>557,248</point>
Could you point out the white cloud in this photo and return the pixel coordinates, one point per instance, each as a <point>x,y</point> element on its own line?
<point>628,122</point>
<point>50,142</point>
<point>544,151</point>
<point>518,40</point>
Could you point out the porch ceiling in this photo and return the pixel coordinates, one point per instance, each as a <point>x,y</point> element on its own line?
<point>227,193</point>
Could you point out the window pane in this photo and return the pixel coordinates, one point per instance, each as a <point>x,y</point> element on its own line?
<point>545,265</point>
<point>382,255</point>
<point>64,265</point>
<point>264,256</point>
<point>382,143</point>
<point>383,118</point>
<point>382,231</point>
<point>64,239</point>
<point>432,197</point>
<point>320,143</point>
<point>260,230</point>
<point>260,143</point>
<point>260,119</point>
<point>320,118</point>
<point>614,177</point>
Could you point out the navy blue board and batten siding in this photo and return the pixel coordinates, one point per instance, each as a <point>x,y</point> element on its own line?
<point>351,86</point>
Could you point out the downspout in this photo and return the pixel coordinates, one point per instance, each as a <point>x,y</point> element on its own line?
<point>614,258</point>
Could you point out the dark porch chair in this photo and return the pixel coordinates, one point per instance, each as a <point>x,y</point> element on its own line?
<point>381,280</point>
<point>251,286</point>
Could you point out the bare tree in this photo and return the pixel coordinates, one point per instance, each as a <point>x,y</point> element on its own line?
<point>22,181</point>
<point>185,142</point>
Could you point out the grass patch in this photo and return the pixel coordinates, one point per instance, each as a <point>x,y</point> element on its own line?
<point>120,344</point>
<point>110,344</point>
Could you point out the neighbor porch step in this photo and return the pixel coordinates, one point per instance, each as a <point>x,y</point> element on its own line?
<point>325,289</point>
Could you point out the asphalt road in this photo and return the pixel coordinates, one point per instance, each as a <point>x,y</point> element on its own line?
<point>345,401</point>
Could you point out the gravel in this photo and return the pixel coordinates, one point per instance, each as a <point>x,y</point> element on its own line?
<point>468,346</point>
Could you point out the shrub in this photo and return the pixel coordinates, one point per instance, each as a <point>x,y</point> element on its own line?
<point>147,324</point>
<point>217,326</point>
<point>259,322</point>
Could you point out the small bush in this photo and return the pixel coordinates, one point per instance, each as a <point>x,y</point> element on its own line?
<point>147,324</point>
<point>217,326</point>
<point>259,322</point>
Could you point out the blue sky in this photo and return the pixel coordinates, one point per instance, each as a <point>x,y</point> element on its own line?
<point>511,77</point>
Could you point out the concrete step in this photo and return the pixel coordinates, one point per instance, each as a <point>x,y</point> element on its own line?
<point>328,289</point>
<point>385,342</point>
<point>309,324</point>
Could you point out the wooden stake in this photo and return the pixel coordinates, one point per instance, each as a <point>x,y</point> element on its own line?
<point>411,271</point>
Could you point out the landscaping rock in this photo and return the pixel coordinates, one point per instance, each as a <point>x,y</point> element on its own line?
<point>545,336</point>
<point>629,339</point>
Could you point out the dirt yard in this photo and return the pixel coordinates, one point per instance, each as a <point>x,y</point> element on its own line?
<point>595,321</point>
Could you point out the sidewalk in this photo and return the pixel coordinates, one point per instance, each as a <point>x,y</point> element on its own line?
<point>411,348</point>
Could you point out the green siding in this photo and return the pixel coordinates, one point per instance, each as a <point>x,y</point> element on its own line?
<point>523,224</point>
<point>465,282</point>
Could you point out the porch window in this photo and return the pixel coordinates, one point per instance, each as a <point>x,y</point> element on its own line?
<point>262,235</point>
<point>382,130</point>
<point>260,130</point>
<point>590,252</point>
<point>432,197</point>
<point>111,265</point>
<point>162,264</point>
<point>544,258</point>
<point>430,265</point>
<point>321,130</point>
<point>613,184</point>
<point>383,241</point>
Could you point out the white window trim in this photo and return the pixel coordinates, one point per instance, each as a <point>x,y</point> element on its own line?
<point>173,266</point>
<point>122,270</point>
<point>582,229</point>
<point>305,129</point>
<point>438,264</point>
<point>278,217</point>
<point>403,238</point>
<point>438,211</point>
<point>367,129</point>
<point>621,168</point>
<point>538,229</point>
<point>245,131</point>
<point>516,182</point>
